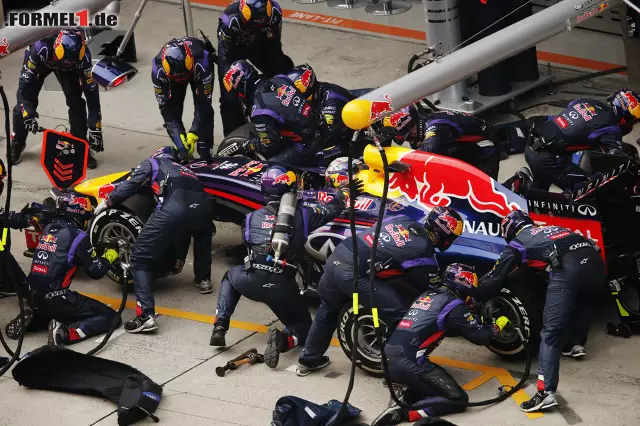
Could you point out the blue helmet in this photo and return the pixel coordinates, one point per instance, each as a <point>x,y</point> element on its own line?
<point>240,79</point>
<point>304,78</point>
<point>256,11</point>
<point>277,180</point>
<point>513,223</point>
<point>461,280</point>
<point>177,60</point>
<point>69,48</point>
<point>626,105</point>
<point>169,152</point>
<point>443,225</point>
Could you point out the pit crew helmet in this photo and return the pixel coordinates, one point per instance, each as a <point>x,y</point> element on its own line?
<point>256,11</point>
<point>276,181</point>
<point>69,48</point>
<point>177,60</point>
<point>626,105</point>
<point>338,171</point>
<point>240,79</point>
<point>513,223</point>
<point>444,225</point>
<point>169,152</point>
<point>304,78</point>
<point>76,209</point>
<point>461,280</point>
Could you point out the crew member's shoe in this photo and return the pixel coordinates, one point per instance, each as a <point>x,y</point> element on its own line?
<point>15,151</point>
<point>14,327</point>
<point>394,414</point>
<point>277,342</point>
<point>540,401</point>
<point>306,367</point>
<point>141,324</point>
<point>217,337</point>
<point>205,286</point>
<point>577,352</point>
<point>520,181</point>
<point>91,161</point>
<point>58,333</point>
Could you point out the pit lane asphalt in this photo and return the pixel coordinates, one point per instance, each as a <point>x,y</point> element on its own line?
<point>602,388</point>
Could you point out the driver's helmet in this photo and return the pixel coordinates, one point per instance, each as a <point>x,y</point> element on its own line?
<point>76,209</point>
<point>276,181</point>
<point>338,171</point>
<point>256,11</point>
<point>461,280</point>
<point>168,152</point>
<point>400,123</point>
<point>177,60</point>
<point>240,79</point>
<point>443,225</point>
<point>513,223</point>
<point>626,105</point>
<point>69,48</point>
<point>3,175</point>
<point>304,78</point>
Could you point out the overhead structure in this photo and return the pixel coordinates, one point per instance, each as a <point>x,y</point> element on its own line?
<point>460,64</point>
<point>16,38</point>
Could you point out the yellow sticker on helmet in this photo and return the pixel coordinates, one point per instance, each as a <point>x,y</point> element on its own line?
<point>82,52</point>
<point>166,67</point>
<point>188,61</point>
<point>246,12</point>
<point>59,51</point>
<point>269,7</point>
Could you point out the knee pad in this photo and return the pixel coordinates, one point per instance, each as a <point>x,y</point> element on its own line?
<point>442,384</point>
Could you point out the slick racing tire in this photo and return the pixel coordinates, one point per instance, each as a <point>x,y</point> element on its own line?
<point>368,359</point>
<point>522,303</point>
<point>115,223</point>
<point>230,146</point>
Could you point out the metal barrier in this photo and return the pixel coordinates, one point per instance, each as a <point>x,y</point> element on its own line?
<point>308,1</point>
<point>344,4</point>
<point>386,7</point>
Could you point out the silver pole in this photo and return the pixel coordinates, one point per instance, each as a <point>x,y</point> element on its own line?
<point>19,37</point>
<point>188,18</point>
<point>134,22</point>
<point>632,6</point>
<point>469,60</point>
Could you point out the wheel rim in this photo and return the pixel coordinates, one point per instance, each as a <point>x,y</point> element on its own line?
<point>500,306</point>
<point>368,343</point>
<point>118,231</point>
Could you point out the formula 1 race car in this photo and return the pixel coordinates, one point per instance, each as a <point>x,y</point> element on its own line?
<point>418,182</point>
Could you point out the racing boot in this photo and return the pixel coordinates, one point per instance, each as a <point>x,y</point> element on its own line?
<point>14,328</point>
<point>395,413</point>
<point>91,161</point>
<point>204,152</point>
<point>58,333</point>
<point>15,151</point>
<point>540,401</point>
<point>217,337</point>
<point>304,368</point>
<point>205,286</point>
<point>277,342</point>
<point>520,181</point>
<point>141,324</point>
<point>576,351</point>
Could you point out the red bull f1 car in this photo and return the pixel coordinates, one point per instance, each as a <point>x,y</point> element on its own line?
<point>418,182</point>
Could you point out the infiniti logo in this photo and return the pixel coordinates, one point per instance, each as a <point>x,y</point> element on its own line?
<point>43,255</point>
<point>587,210</point>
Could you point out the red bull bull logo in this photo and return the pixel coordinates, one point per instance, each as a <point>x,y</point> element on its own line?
<point>83,202</point>
<point>397,235</point>
<point>403,232</point>
<point>228,80</point>
<point>49,238</point>
<point>304,81</point>
<point>47,243</point>
<point>586,111</point>
<point>467,279</point>
<point>451,223</point>
<point>105,190</point>
<point>397,119</point>
<point>436,180</point>
<point>288,178</point>
<point>379,108</point>
<point>4,47</point>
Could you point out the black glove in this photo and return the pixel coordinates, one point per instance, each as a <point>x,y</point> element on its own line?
<point>358,186</point>
<point>95,140</point>
<point>31,124</point>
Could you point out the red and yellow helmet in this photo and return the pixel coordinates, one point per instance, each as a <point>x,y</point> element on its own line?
<point>177,60</point>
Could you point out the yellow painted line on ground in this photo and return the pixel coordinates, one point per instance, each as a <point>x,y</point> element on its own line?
<point>478,381</point>
<point>489,372</point>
